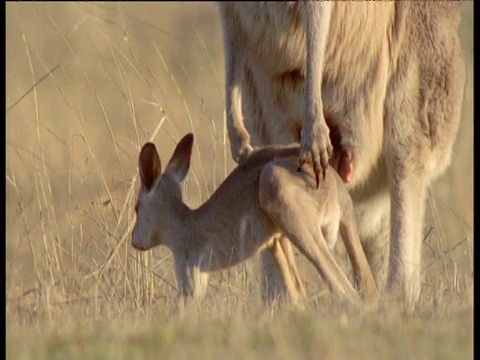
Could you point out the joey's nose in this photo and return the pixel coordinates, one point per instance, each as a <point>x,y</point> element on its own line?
<point>138,246</point>
<point>135,244</point>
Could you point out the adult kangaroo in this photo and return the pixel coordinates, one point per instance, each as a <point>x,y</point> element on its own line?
<point>373,88</point>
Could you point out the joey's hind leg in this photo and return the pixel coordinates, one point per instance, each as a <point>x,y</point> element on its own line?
<point>284,197</point>
<point>348,228</point>
<point>280,266</point>
<point>286,246</point>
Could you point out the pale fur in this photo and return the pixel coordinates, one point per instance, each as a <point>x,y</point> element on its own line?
<point>388,75</point>
<point>262,198</point>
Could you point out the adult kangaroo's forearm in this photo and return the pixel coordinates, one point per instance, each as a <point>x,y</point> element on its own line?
<point>318,26</point>
<point>239,136</point>
<point>315,132</point>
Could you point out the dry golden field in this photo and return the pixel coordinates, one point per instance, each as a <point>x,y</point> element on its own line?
<point>86,85</point>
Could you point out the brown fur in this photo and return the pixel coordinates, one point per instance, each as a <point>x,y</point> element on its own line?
<point>255,203</point>
<point>386,77</point>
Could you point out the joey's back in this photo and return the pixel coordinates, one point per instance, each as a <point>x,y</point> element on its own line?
<point>233,225</point>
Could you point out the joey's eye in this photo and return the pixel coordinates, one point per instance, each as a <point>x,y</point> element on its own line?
<point>136,208</point>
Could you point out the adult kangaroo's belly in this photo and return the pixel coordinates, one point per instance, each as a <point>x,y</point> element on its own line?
<point>274,36</point>
<point>355,76</point>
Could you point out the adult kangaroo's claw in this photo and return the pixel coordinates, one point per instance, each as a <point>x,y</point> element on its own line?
<point>317,144</point>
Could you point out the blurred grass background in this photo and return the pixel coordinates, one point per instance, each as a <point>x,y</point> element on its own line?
<point>86,85</point>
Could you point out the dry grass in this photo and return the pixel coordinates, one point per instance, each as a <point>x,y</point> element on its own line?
<point>87,85</point>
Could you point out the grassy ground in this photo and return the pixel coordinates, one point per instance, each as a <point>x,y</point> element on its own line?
<point>289,335</point>
<point>87,85</point>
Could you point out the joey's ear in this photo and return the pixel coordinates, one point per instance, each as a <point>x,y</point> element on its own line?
<point>180,162</point>
<point>149,166</point>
